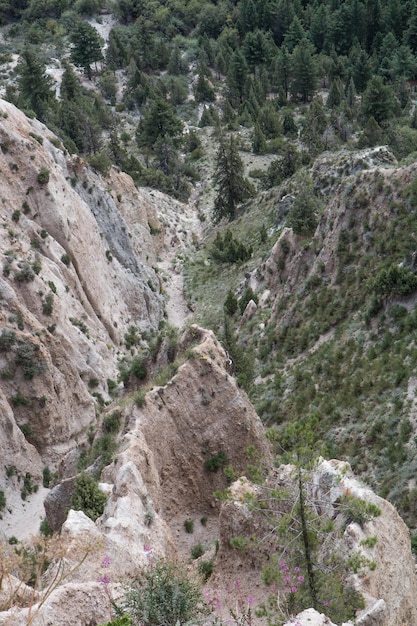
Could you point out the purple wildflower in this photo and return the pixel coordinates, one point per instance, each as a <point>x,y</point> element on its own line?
<point>104,580</point>
<point>106,561</point>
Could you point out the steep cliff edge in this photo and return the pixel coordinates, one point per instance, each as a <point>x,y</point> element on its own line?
<point>165,473</point>
<point>77,259</point>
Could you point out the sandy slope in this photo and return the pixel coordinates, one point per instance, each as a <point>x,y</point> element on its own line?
<point>22,518</point>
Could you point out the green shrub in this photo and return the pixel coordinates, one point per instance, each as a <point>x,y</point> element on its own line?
<point>26,273</point>
<point>205,568</point>
<point>111,387</point>
<point>215,462</point>
<point>138,367</point>
<point>132,338</point>
<point>11,471</point>
<point>37,265</point>
<point>396,280</point>
<point>197,551</point>
<point>87,497</point>
<point>43,176</point>
<point>414,543</point>
<point>2,500</point>
<point>46,477</point>
<point>227,249</point>
<point>48,304</point>
<point>164,594</point>
<point>19,399</point>
<point>26,357</point>
<point>45,529</point>
<point>80,324</point>
<point>101,162</point>
<point>230,304</point>
<point>189,525</point>
<point>7,339</point>
<point>111,423</point>
<point>140,399</point>
<point>248,295</point>
<point>358,510</point>
<point>26,429</point>
<point>125,620</point>
<point>28,486</point>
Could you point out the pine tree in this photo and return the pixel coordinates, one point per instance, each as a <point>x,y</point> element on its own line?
<point>159,121</point>
<point>203,91</point>
<point>232,187</point>
<point>86,46</point>
<point>295,35</point>
<point>336,94</point>
<point>236,78</point>
<point>302,217</point>
<point>35,87</point>
<point>304,80</point>
<point>378,100</point>
<point>176,66</point>
<point>258,140</point>
<point>282,71</point>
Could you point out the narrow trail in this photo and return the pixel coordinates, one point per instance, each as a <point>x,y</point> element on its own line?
<point>182,232</point>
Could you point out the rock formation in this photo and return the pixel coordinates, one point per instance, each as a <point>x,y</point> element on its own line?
<point>77,262</point>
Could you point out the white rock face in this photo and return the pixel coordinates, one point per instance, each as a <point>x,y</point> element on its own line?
<point>310,617</point>
<point>76,270</point>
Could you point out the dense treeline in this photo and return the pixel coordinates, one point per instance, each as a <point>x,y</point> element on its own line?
<point>247,64</point>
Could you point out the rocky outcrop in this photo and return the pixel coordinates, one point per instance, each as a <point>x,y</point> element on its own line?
<point>161,476</point>
<point>388,583</point>
<point>77,257</point>
<point>170,462</point>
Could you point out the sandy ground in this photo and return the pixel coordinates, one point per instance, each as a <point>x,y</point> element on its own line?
<point>21,518</point>
<point>182,233</point>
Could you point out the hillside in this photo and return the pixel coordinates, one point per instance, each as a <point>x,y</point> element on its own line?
<point>208,288</point>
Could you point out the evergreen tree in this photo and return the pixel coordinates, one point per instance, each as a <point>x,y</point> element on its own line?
<point>176,66</point>
<point>116,52</point>
<point>372,134</point>
<point>304,79</point>
<point>302,217</point>
<point>295,35</point>
<point>258,140</point>
<point>255,47</point>
<point>35,87</point>
<point>230,304</point>
<point>289,127</point>
<point>336,94</point>
<point>158,121</point>
<point>282,71</point>
<point>87,45</point>
<point>378,100</point>
<point>351,94</point>
<point>361,69</point>
<point>320,28</point>
<point>270,121</point>
<point>236,78</point>
<point>232,187</point>
<point>203,91</point>
<point>70,85</point>
<point>247,16</point>
<point>410,35</point>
